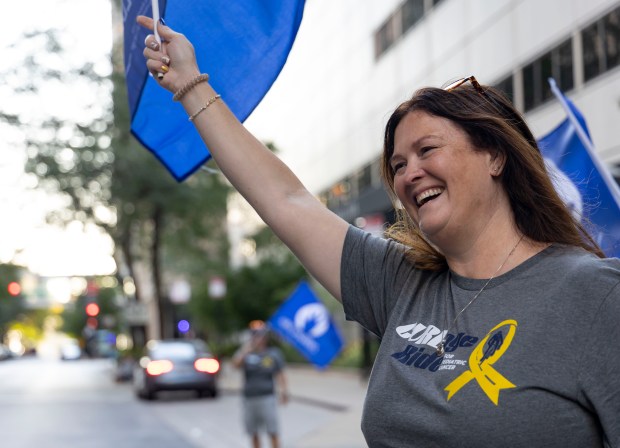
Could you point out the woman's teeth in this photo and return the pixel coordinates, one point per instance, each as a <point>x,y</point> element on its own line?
<point>427,195</point>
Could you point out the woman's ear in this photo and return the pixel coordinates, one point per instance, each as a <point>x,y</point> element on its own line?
<point>498,160</point>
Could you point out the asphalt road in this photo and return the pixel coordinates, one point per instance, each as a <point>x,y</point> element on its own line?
<point>52,404</point>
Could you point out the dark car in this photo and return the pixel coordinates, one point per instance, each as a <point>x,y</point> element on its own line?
<point>176,364</point>
<point>5,353</point>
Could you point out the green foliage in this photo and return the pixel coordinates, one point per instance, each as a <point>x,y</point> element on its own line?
<point>29,325</point>
<point>74,315</point>
<point>10,306</point>
<point>223,348</point>
<point>68,154</point>
<point>106,301</point>
<point>8,273</point>
<point>74,319</point>
<point>253,292</point>
<point>350,356</point>
<point>257,292</point>
<point>30,330</point>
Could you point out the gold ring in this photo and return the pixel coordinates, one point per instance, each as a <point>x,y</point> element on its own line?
<point>165,68</point>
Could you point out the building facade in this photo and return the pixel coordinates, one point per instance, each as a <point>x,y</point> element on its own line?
<point>354,61</point>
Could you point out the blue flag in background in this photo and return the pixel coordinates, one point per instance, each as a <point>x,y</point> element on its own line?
<point>583,181</point>
<point>305,323</point>
<point>243,45</point>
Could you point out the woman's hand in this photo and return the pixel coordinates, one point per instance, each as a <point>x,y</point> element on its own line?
<point>173,63</point>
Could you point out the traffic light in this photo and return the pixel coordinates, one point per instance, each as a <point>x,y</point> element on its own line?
<point>92,309</point>
<point>14,289</point>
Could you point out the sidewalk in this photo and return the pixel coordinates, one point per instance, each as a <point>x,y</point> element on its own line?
<point>339,390</point>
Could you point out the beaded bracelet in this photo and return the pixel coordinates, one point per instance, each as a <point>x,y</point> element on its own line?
<point>189,86</point>
<point>207,104</point>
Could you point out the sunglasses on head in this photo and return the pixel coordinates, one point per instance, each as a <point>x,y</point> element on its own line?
<point>460,82</point>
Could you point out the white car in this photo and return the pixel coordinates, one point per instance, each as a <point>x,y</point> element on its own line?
<point>70,350</point>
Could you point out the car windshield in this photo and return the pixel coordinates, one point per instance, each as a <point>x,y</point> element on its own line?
<point>173,350</point>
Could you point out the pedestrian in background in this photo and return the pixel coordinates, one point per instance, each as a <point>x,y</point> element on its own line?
<point>263,378</point>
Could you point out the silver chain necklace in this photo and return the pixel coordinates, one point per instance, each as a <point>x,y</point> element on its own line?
<point>441,347</point>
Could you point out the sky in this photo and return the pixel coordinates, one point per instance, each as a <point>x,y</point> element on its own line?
<point>25,237</point>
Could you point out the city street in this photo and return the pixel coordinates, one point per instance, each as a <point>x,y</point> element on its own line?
<point>53,404</point>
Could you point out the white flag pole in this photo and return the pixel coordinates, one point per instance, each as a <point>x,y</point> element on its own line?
<point>155,6</point>
<point>583,137</point>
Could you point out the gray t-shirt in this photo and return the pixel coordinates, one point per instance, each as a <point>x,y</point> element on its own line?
<point>533,362</point>
<point>259,369</point>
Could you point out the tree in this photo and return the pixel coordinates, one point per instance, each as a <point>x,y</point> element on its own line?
<point>11,306</point>
<point>253,292</point>
<point>176,227</point>
<point>105,178</point>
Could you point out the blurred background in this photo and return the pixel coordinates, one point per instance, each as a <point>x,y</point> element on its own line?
<point>102,250</point>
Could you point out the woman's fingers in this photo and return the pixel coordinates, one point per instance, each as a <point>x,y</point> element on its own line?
<point>164,31</point>
<point>151,42</point>
<point>152,48</point>
<point>146,22</point>
<point>154,66</point>
<point>172,62</point>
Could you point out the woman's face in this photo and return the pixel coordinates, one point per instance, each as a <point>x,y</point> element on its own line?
<point>445,185</point>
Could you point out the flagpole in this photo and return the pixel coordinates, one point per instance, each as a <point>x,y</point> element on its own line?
<point>583,137</point>
<point>155,6</point>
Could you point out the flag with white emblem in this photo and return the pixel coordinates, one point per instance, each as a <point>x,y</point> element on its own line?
<point>305,323</point>
<point>581,178</point>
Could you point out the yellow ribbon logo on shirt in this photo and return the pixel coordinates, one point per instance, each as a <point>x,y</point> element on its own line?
<point>480,367</point>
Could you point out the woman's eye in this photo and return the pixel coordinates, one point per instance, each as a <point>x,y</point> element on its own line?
<point>398,166</point>
<point>426,149</point>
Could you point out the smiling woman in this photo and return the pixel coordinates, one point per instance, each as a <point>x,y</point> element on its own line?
<point>440,177</point>
<point>486,297</point>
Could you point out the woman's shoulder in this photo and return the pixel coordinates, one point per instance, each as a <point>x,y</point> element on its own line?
<point>581,263</point>
<point>357,238</point>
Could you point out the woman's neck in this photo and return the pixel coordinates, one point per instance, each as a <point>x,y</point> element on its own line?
<point>491,258</point>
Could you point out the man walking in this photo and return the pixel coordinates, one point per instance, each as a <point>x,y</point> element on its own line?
<point>263,368</point>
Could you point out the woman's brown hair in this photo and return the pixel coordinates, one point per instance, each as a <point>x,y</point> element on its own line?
<point>492,123</point>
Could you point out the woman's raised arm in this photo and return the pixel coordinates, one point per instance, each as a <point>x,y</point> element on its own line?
<point>301,221</point>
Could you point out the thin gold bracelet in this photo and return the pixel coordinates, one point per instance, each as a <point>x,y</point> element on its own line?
<point>189,86</point>
<point>207,104</point>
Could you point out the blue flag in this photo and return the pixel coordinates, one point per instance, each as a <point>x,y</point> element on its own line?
<point>582,180</point>
<point>243,45</point>
<point>304,322</point>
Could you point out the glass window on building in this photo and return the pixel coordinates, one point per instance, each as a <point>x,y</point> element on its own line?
<point>601,42</point>
<point>556,64</point>
<point>505,86</point>
<point>546,72</point>
<point>412,13</point>
<point>592,51</point>
<point>530,84</point>
<point>384,37</point>
<point>563,63</point>
<point>612,38</point>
